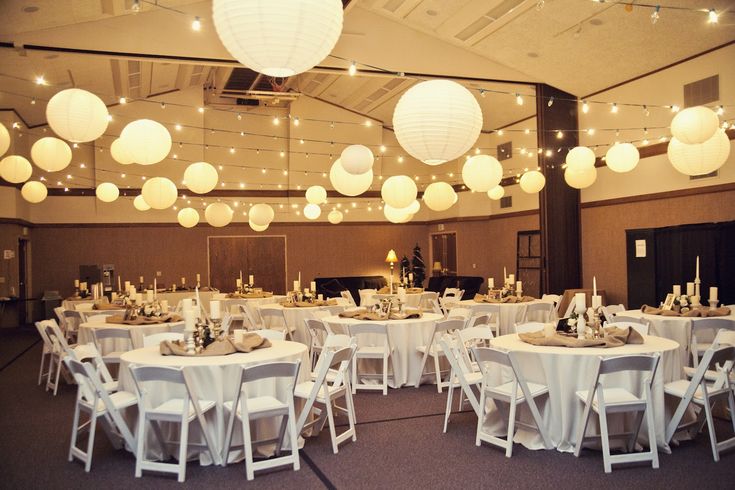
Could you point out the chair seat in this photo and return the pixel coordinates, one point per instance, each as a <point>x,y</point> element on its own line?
<point>111,386</point>
<point>507,390</point>
<point>121,399</point>
<point>703,346</point>
<point>613,396</point>
<point>303,390</point>
<point>260,404</point>
<point>473,378</point>
<point>371,351</point>
<point>679,388</point>
<point>175,406</point>
<point>709,375</point>
<point>433,351</point>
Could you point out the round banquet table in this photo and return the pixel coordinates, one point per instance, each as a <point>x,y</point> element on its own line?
<point>404,337</point>
<point>214,378</point>
<point>510,313</point>
<point>567,370</point>
<point>295,317</point>
<point>137,332</point>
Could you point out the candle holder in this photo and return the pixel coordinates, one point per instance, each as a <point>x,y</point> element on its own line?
<point>694,301</point>
<point>713,303</point>
<point>581,323</point>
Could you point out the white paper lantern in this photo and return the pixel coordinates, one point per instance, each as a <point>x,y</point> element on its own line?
<point>140,203</point>
<point>188,217</point>
<point>348,184</point>
<point>496,192</point>
<point>702,158</point>
<point>279,38</point>
<point>439,196</point>
<point>357,159</point>
<point>316,194</point>
<point>414,207</point>
<point>580,158</point>
<point>532,181</point>
<point>258,227</point>
<point>107,192</point>
<point>396,215</point>
<point>77,115</point>
<point>15,169</point>
<point>200,177</point>
<point>218,214</point>
<point>399,191</point>
<point>34,191</point>
<point>580,179</point>
<point>482,172</point>
<point>159,192</point>
<point>4,139</point>
<point>312,211</point>
<point>261,214</point>
<point>146,141</point>
<point>694,125</point>
<point>335,217</point>
<point>120,152</point>
<point>51,154</point>
<point>622,157</point>
<point>437,121</point>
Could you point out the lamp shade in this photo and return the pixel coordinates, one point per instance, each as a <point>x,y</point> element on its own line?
<point>261,214</point>
<point>140,204</point>
<point>258,227</point>
<point>278,38</point>
<point>399,191</point>
<point>4,139</point>
<point>532,181</point>
<point>316,194</point>
<point>439,196</point>
<point>120,152</point>
<point>482,172</point>
<point>357,159</point>
<point>437,120</point>
<point>159,192</point>
<point>348,184</point>
<point>51,154</point>
<point>694,125</point>
<point>34,191</point>
<point>496,192</point>
<point>702,158</point>
<point>391,257</point>
<point>146,141</point>
<point>107,192</point>
<point>312,211</point>
<point>200,177</point>
<point>622,157</point>
<point>335,217</point>
<point>15,169</point>
<point>580,158</point>
<point>77,115</point>
<point>188,217</point>
<point>218,214</point>
<point>579,179</point>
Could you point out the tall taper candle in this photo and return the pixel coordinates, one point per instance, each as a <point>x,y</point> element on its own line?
<point>155,287</point>
<point>713,293</point>
<point>505,276</point>
<point>251,279</point>
<point>677,290</point>
<point>697,274</point>
<point>594,285</point>
<point>313,286</point>
<point>119,286</point>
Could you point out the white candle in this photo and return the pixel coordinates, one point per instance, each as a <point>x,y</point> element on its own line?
<point>320,297</point>
<point>690,289</point>
<point>127,285</point>
<point>306,290</point>
<point>241,277</point>
<point>677,290</point>
<point>713,293</point>
<point>251,279</point>
<point>119,286</point>
<point>296,285</point>
<point>596,301</point>
<point>697,275</point>
<point>490,283</point>
<point>83,286</point>
<point>214,309</point>
<point>299,278</point>
<point>410,277</point>
<point>164,305</point>
<point>594,286</point>
<point>155,287</point>
<point>505,276</point>
<point>519,286</point>
<point>313,286</point>
<point>183,281</point>
<point>141,280</point>
<point>131,291</point>
<point>238,281</point>
<point>149,296</point>
<point>580,302</point>
<point>187,304</point>
<point>511,278</point>
<point>198,278</point>
<point>113,296</point>
<point>139,298</point>
<point>189,319</point>
<point>76,283</point>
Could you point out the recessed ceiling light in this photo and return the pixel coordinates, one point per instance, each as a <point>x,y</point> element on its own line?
<point>30,9</point>
<point>596,22</point>
<point>532,54</point>
<point>432,12</point>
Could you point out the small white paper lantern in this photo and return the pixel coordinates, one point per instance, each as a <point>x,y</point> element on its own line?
<point>77,115</point>
<point>414,207</point>
<point>532,181</point>
<point>702,158</point>
<point>439,196</point>
<point>580,158</point>
<point>120,152</point>
<point>399,191</point>
<point>200,177</point>
<point>218,214</point>
<point>140,203</point>
<point>159,192</point>
<point>15,169</point>
<point>437,120</point>
<point>51,154</point>
<point>397,215</point>
<point>34,191</point>
<point>188,217</point>
<point>348,184</point>
<point>146,141</point>
<point>622,157</point>
<point>107,192</point>
<point>335,217</point>
<point>258,227</point>
<point>357,159</point>
<point>278,38</point>
<point>4,139</point>
<point>580,179</point>
<point>694,125</point>
<point>316,194</point>
<point>312,211</point>
<point>261,214</point>
<point>482,172</point>
<point>496,192</point>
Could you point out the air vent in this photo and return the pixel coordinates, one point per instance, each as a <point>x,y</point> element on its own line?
<point>506,202</point>
<point>491,16</point>
<point>505,151</point>
<point>714,173</point>
<point>702,91</point>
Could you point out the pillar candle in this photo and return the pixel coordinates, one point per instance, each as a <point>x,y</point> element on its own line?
<point>187,304</point>
<point>113,296</point>
<point>139,298</point>
<point>677,290</point>
<point>149,296</point>
<point>511,278</point>
<point>713,293</point>
<point>690,289</point>
<point>313,286</point>
<point>251,279</point>
<point>127,285</point>
<point>183,281</point>
<point>410,277</point>
<point>519,285</point>
<point>580,302</point>
<point>596,301</point>
<point>189,319</point>
<point>131,291</point>
<point>214,311</point>
<point>238,281</point>
<point>76,283</point>
<point>490,283</point>
<point>83,286</point>
<point>198,278</point>
<point>320,297</point>
<point>164,305</point>
<point>296,285</point>
<point>141,280</point>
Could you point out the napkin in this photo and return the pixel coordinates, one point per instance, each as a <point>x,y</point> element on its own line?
<point>143,320</point>
<point>696,312</point>
<point>105,306</point>
<point>614,337</point>
<point>249,342</point>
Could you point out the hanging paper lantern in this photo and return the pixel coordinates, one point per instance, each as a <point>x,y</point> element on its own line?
<point>312,211</point>
<point>694,125</point>
<point>51,154</point>
<point>15,169</point>
<point>107,192</point>
<point>482,172</point>
<point>397,215</point>
<point>702,158</point>
<point>579,179</point>
<point>399,191</point>
<point>335,217</point>
<point>316,194</point>
<point>200,177</point>
<point>496,192</point>
<point>34,191</point>
<point>278,38</point>
<point>414,207</point>
<point>258,227</point>
<point>120,153</point>
<point>140,203</point>
<point>159,192</point>
<point>77,115</point>
<point>4,139</point>
<point>188,217</point>
<point>580,158</point>
<point>348,184</point>
<point>218,214</point>
<point>261,214</point>
<point>439,196</point>
<point>357,159</point>
<point>437,121</point>
<point>532,181</point>
<point>622,157</point>
<point>146,141</point>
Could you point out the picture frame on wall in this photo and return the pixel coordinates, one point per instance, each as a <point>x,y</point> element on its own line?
<point>668,302</point>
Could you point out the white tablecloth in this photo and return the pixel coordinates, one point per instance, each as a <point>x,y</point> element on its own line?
<point>214,378</point>
<point>295,317</point>
<point>405,336</point>
<point>71,304</point>
<point>137,332</point>
<point>567,370</point>
<point>85,314</point>
<point>510,313</point>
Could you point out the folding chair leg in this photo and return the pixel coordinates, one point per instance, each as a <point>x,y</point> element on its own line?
<point>652,433</point>
<point>140,446</point>
<point>438,372</point>
<point>385,375</point>
<point>511,429</point>
<point>248,444</point>
<point>711,429</point>
<point>350,413</point>
<point>74,432</point>
<point>58,373</point>
<point>605,441</point>
<point>183,447</point>
<point>332,429</point>
<point>450,391</point>
<point>90,442</point>
<point>43,362</point>
<point>354,374</point>
<point>480,418</point>
<point>423,366</point>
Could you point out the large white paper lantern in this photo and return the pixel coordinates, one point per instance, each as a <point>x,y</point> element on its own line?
<point>4,139</point>
<point>399,191</point>
<point>580,158</point>
<point>694,125</point>
<point>414,207</point>
<point>397,215</point>
<point>312,211</point>
<point>258,227</point>
<point>439,196</point>
<point>580,179</point>
<point>261,214</point>
<point>77,115</point>
<point>140,204</point>
<point>159,192</point>
<point>200,177</point>
<point>279,38</point>
<point>120,152</point>
<point>335,217</point>
<point>146,141</point>
<point>496,192</point>
<point>702,158</point>
<point>34,191</point>
<point>482,172</point>
<point>316,194</point>
<point>188,217</point>
<point>15,169</point>
<point>218,214</point>
<point>51,154</point>
<point>532,181</point>
<point>622,157</point>
<point>107,192</point>
<point>357,159</point>
<point>348,184</point>
<point>437,121</point>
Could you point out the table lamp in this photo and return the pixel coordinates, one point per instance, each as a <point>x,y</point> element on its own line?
<point>391,259</point>
<point>437,267</point>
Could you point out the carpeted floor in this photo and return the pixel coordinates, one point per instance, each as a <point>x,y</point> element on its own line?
<point>399,445</point>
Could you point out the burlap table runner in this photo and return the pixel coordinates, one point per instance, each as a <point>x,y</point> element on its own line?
<point>703,312</point>
<point>249,342</point>
<point>264,294</point>
<point>365,315</point>
<point>614,337</point>
<point>106,306</point>
<point>143,320</point>
<point>306,304</point>
<point>414,290</point>
<point>480,298</point>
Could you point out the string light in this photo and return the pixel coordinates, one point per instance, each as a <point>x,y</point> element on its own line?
<point>550,102</point>
<point>123,100</point>
<point>712,17</point>
<point>559,135</point>
<point>352,70</point>
<point>276,121</point>
<point>136,6</point>
<point>33,101</point>
<point>382,148</point>
<point>368,123</point>
<point>675,108</point>
<point>655,15</point>
<point>519,99</point>
<point>585,107</point>
<point>296,121</point>
<point>196,24</point>
<point>590,131</point>
<point>527,131</point>
<point>239,116</point>
<point>614,108</point>
<point>720,110</point>
<point>500,132</point>
<point>40,80</point>
<point>178,127</point>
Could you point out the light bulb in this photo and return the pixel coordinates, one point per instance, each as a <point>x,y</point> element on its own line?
<point>296,121</point>
<point>720,110</point>
<point>123,100</point>
<point>352,69</point>
<point>550,102</point>
<point>276,122</point>
<point>614,108</point>
<point>196,24</point>
<point>655,15</point>
<point>585,107</point>
<point>712,17</point>
<point>519,99</point>
<point>382,148</point>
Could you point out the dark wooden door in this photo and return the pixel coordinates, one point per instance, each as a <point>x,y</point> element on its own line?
<point>528,262</point>
<point>444,254</point>
<point>263,257</point>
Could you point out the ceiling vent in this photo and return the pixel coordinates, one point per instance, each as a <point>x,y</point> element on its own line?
<point>702,92</point>
<point>490,16</point>
<point>134,79</point>
<point>506,202</point>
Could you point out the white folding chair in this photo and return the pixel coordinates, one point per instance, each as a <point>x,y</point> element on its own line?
<point>435,308</point>
<point>272,318</point>
<point>434,350</point>
<point>477,336</point>
<point>367,297</point>
<point>451,298</point>
<point>704,331</point>
<point>552,298</point>
<point>427,299</point>
<point>608,400</point>
<point>318,332</point>
<point>60,317</point>
<point>59,347</point>
<point>538,312</point>
<point>346,294</point>
<point>376,346</point>
<point>570,309</point>
<point>155,339</point>
<point>72,319</point>
<point>494,311</point>
<point>249,406</point>
<point>481,319</point>
<point>456,312</point>
<point>723,337</point>
<point>102,336</point>
<point>610,311</point>
<point>46,353</point>
<point>461,376</point>
<point>89,353</point>
<point>529,327</point>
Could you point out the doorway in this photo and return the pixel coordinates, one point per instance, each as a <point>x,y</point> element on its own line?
<point>262,256</point>
<point>444,254</point>
<point>22,280</point>
<point>529,262</point>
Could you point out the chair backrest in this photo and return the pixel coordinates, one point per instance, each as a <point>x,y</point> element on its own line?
<point>478,332</point>
<point>483,319</point>
<point>442,326</point>
<point>610,365</point>
<point>367,296</point>
<point>454,355</point>
<point>358,329</point>
<point>454,293</point>
<point>539,311</point>
<point>247,318</point>
<point>489,355</point>
<point>41,328</point>
<point>98,317</point>
<point>89,353</point>
<point>318,330</point>
<point>724,337</point>
<point>625,318</point>
<point>87,306</point>
<point>552,298</point>
<point>156,338</point>
<point>641,328</point>
<point>269,334</point>
<point>570,309</point>
<point>73,319</point>
<point>705,329</point>
<point>59,311</point>
<point>336,341</point>
<point>611,310</point>
<point>270,312</point>
<point>426,297</point>
<point>346,294</point>
<point>54,335</point>
<point>529,327</point>
<point>150,374</point>
<point>271,370</point>
<point>111,333</point>
<point>435,308</point>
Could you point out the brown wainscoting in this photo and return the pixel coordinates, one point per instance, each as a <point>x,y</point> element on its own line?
<point>661,195</point>
<point>262,256</point>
